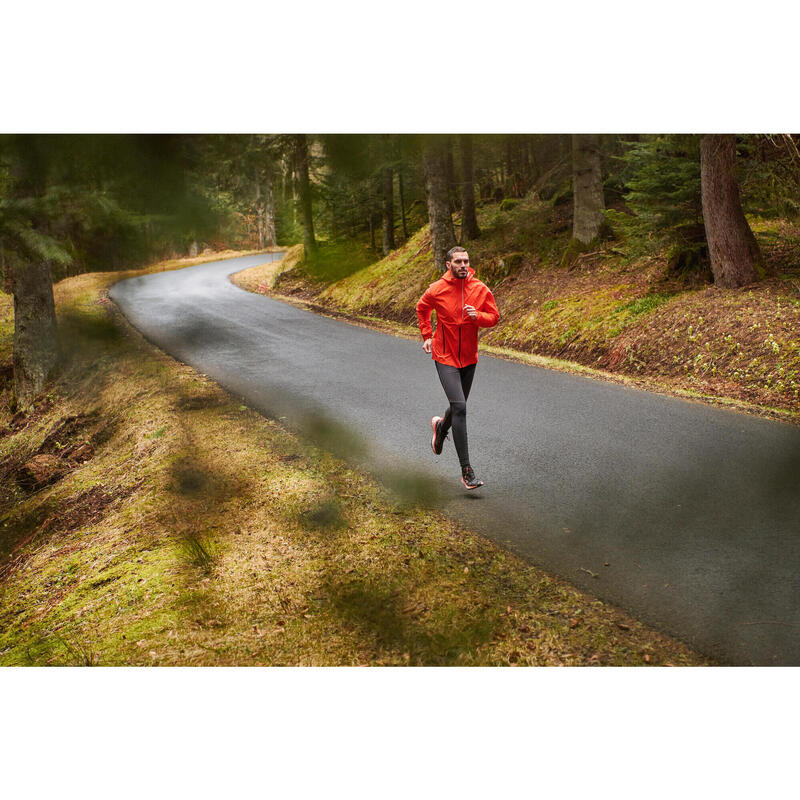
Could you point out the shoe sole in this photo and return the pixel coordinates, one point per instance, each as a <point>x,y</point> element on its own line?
<point>434,420</point>
<point>470,488</point>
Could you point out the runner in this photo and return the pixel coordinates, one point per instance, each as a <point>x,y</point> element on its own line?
<point>462,305</point>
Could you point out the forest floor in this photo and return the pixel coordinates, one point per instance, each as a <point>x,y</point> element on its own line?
<point>617,312</point>
<point>146,517</point>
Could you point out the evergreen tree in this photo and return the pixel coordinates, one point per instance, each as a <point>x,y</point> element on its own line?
<point>662,177</point>
<point>301,159</point>
<point>442,233</point>
<point>587,186</point>
<point>735,257</point>
<point>469,221</point>
<point>58,198</point>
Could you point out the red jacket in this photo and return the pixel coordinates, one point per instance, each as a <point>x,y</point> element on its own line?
<point>456,339</point>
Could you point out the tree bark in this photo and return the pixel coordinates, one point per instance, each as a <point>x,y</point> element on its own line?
<point>469,222</point>
<point>402,205</point>
<point>304,194</point>
<point>442,232</point>
<point>735,257</point>
<point>450,168</point>
<point>387,209</point>
<point>270,234</point>
<point>36,347</point>
<point>259,213</point>
<point>587,184</point>
<point>371,223</point>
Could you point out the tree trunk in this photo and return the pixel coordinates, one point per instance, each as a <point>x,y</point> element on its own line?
<point>270,234</point>
<point>36,348</point>
<point>371,222</point>
<point>402,205</point>
<point>387,209</point>
<point>587,183</point>
<point>469,222</point>
<point>450,168</point>
<point>735,257</point>
<point>304,194</point>
<point>259,214</point>
<point>442,232</point>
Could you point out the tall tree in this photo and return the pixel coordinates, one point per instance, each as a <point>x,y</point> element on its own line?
<point>57,196</point>
<point>387,208</point>
<point>37,350</point>
<point>260,213</point>
<point>270,235</point>
<point>304,193</point>
<point>735,257</point>
<point>401,196</point>
<point>469,222</point>
<point>587,183</point>
<point>25,229</point>
<point>442,232</point>
<point>387,194</point>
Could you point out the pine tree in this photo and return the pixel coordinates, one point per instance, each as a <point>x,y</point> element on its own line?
<point>469,222</point>
<point>442,233</point>
<point>587,186</point>
<point>662,177</point>
<point>735,257</point>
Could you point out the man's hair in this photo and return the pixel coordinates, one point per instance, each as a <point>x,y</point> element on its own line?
<point>457,249</point>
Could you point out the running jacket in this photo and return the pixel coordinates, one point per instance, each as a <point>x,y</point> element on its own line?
<point>456,339</point>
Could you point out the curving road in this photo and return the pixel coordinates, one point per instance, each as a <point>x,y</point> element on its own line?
<point>684,514</point>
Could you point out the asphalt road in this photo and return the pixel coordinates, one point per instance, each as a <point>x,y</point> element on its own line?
<point>686,515</point>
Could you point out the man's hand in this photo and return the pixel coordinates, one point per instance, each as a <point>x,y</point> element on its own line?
<point>471,312</point>
<point>426,345</point>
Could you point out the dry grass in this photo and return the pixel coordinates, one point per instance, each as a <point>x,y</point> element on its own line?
<point>261,278</point>
<point>191,530</point>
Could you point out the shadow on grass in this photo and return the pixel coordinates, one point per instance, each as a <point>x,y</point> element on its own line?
<point>381,616</point>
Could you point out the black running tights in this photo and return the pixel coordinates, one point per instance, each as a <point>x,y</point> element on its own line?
<point>456,382</point>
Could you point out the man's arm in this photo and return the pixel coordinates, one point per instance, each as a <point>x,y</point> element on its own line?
<point>487,315</point>
<point>424,308</point>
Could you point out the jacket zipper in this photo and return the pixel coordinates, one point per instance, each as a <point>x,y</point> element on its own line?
<point>462,321</point>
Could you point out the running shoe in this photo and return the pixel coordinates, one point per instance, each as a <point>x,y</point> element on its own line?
<point>437,440</point>
<point>468,478</point>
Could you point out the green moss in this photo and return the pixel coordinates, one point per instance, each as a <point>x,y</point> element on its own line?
<point>643,305</point>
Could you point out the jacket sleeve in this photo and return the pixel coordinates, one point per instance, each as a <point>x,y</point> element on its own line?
<point>424,308</point>
<point>488,315</point>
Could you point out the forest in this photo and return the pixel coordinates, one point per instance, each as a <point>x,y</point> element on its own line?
<point>606,250</point>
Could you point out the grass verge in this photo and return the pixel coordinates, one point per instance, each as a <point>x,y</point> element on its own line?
<point>148,518</point>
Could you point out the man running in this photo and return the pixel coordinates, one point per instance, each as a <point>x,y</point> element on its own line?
<point>462,304</point>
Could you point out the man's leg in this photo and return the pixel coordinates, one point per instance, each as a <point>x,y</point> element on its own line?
<point>467,374</point>
<point>453,382</point>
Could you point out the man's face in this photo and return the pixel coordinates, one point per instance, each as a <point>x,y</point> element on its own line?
<point>459,266</point>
